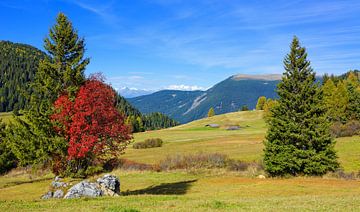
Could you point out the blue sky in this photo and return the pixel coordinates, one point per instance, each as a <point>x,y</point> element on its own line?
<point>193,44</point>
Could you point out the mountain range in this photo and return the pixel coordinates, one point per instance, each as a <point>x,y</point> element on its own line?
<point>133,92</point>
<point>229,95</point>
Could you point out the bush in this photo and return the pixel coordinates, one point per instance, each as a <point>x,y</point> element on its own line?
<point>194,161</point>
<point>348,129</point>
<point>339,173</point>
<point>148,143</point>
<point>127,165</point>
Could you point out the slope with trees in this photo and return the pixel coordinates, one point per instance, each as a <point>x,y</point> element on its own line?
<point>18,64</point>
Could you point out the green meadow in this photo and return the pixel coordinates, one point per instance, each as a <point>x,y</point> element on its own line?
<point>200,190</point>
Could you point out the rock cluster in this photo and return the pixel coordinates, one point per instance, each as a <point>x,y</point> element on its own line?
<point>108,185</point>
<point>84,189</point>
<point>56,191</point>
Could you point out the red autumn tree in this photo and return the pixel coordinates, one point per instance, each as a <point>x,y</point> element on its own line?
<point>92,125</point>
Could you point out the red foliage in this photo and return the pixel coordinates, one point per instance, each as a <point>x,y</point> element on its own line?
<point>91,123</point>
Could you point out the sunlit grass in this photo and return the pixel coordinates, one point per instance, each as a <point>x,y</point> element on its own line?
<point>244,144</point>
<point>201,190</point>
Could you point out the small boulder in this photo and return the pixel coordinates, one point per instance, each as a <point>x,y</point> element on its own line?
<point>212,125</point>
<point>57,184</point>
<point>58,194</point>
<point>261,176</point>
<point>233,128</point>
<point>84,189</point>
<point>109,184</point>
<point>48,195</point>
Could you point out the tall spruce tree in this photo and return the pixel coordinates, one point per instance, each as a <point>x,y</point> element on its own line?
<point>298,141</point>
<point>33,138</point>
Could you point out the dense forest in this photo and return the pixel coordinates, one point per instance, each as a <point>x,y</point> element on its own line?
<point>18,65</point>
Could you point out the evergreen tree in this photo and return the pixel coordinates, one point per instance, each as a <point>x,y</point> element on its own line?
<point>7,158</point>
<point>65,68</point>
<point>260,103</point>
<point>140,124</point>
<point>353,89</point>
<point>335,99</point>
<point>211,112</point>
<point>298,141</point>
<point>244,108</point>
<point>33,138</point>
<point>270,103</point>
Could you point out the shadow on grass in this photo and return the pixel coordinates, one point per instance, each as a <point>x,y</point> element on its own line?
<point>15,183</point>
<point>177,188</point>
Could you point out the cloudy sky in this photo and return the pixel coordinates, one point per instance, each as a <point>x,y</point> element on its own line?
<point>156,44</point>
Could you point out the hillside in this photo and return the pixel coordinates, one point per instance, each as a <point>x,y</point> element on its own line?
<point>227,96</point>
<point>18,64</point>
<point>245,144</point>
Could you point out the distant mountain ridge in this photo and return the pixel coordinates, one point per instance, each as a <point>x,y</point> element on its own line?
<point>133,92</point>
<point>227,96</point>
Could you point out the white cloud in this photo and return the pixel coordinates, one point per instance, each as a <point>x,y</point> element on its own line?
<point>103,10</point>
<point>184,87</point>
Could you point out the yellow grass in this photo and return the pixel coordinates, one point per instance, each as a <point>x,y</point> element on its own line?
<point>244,144</point>
<point>201,190</point>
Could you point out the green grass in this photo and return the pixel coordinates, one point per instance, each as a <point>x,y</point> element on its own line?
<point>6,116</point>
<point>201,190</point>
<point>244,144</point>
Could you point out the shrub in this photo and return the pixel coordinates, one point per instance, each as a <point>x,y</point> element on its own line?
<point>348,129</point>
<point>190,161</point>
<point>339,173</point>
<point>127,165</point>
<point>237,165</point>
<point>148,143</point>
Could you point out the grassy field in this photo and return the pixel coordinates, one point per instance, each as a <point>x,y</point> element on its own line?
<point>201,190</point>
<point>245,144</point>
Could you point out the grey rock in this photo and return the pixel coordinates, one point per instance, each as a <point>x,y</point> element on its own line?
<point>84,189</point>
<point>58,194</point>
<point>212,125</point>
<point>109,184</point>
<point>57,184</point>
<point>233,128</point>
<point>57,179</point>
<point>48,195</point>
